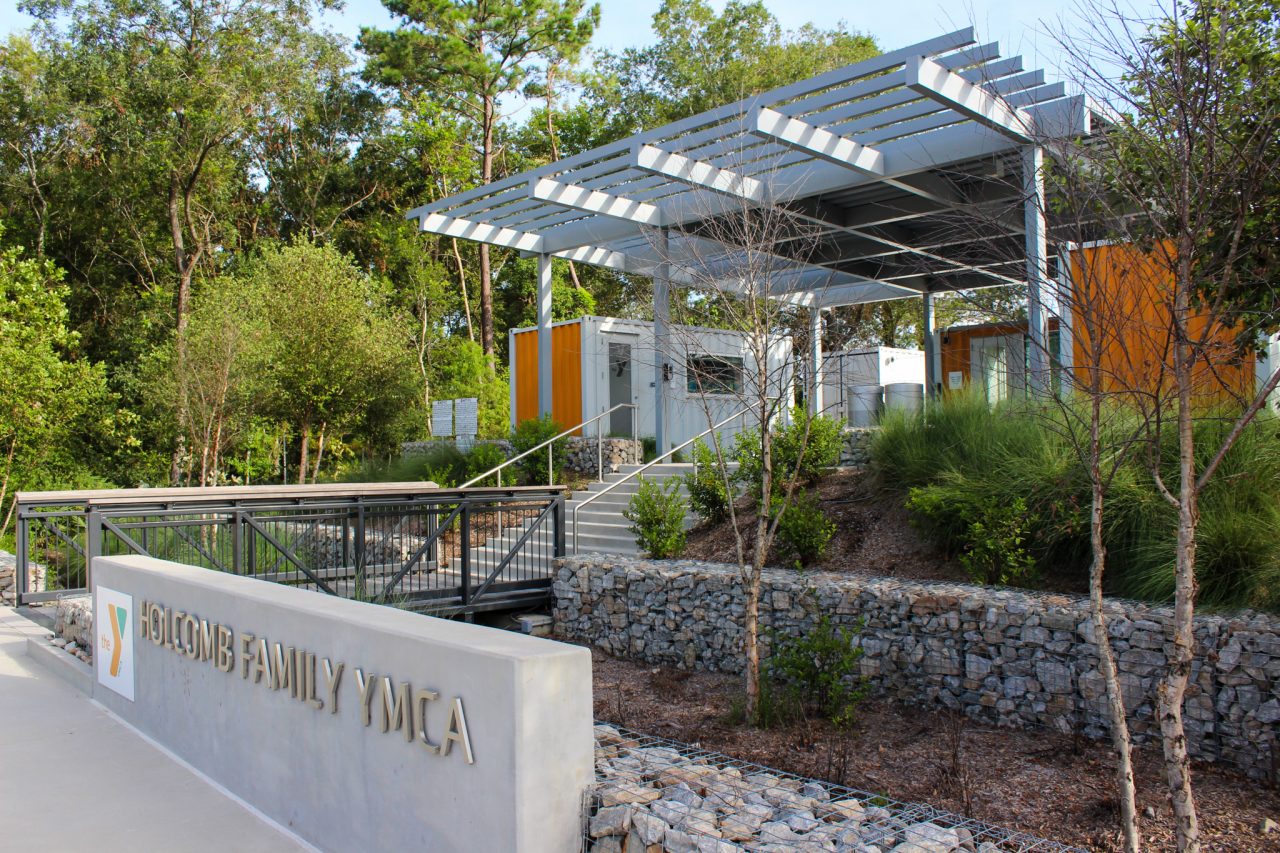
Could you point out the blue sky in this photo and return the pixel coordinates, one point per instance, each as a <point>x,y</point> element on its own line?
<point>1021,26</point>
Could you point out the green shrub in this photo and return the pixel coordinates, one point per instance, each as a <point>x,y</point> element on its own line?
<point>808,457</point>
<point>708,493</point>
<point>657,519</point>
<point>972,462</point>
<point>649,451</point>
<point>486,457</point>
<point>803,531</point>
<point>816,674</point>
<point>529,434</point>
<point>801,450</point>
<point>445,465</point>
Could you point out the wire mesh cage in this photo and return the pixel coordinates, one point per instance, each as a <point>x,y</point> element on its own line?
<point>653,794</point>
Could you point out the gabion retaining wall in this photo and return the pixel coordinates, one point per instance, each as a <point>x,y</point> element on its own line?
<point>581,455</point>
<point>1004,657</point>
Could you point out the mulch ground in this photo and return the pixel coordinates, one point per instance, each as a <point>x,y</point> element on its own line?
<point>1051,785</point>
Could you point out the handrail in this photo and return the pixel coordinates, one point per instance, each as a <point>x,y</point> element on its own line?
<point>646,467</point>
<point>553,439</point>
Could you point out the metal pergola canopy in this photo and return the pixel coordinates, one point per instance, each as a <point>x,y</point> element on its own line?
<point>877,158</point>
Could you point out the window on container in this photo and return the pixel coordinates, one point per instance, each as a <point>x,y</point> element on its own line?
<point>714,374</point>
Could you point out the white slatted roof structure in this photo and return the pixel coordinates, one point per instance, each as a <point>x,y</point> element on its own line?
<point>876,156</point>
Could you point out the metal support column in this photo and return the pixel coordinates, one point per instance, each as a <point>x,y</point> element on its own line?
<point>932,362</point>
<point>544,336</point>
<point>815,361</point>
<point>1037,267</point>
<point>1066,313</point>
<point>661,341</point>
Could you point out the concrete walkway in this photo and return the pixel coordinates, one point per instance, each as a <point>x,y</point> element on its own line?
<point>73,778</point>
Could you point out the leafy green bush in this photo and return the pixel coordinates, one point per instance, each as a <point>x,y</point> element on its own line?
<point>443,464</point>
<point>657,518</point>
<point>649,451</point>
<point>440,463</point>
<point>808,457</point>
<point>485,457</point>
<point>816,674</point>
<point>993,549</point>
<point>971,463</point>
<point>708,493</point>
<point>529,434</point>
<point>803,531</point>
<point>802,450</point>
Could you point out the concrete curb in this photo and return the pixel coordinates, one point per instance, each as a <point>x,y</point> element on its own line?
<point>69,668</point>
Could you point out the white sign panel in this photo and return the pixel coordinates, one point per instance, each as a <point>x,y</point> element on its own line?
<point>113,622</point>
<point>357,726</point>
<point>955,379</point>
<point>442,418</point>
<point>467,415</point>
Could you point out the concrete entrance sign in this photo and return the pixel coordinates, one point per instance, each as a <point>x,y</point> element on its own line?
<point>354,725</point>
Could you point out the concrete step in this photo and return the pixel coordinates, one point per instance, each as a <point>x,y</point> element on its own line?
<point>602,544</point>
<point>596,515</point>
<point>662,469</point>
<point>628,488</point>
<point>613,527</point>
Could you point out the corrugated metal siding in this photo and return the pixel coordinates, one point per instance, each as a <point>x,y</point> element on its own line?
<point>526,376</point>
<point>954,345</point>
<point>566,374</point>
<point>566,382</point>
<point>1134,328</point>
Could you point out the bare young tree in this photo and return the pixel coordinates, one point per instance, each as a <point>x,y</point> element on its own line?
<point>1100,407</point>
<point>1195,160</point>
<point>731,270</point>
<point>1181,190</point>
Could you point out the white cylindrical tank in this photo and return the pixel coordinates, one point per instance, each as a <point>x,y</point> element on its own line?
<point>904,396</point>
<point>864,404</point>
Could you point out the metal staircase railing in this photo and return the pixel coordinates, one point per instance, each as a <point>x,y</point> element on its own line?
<point>550,449</point>
<point>636,473</point>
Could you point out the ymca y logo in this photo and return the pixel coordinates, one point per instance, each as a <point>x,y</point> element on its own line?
<point>113,658</point>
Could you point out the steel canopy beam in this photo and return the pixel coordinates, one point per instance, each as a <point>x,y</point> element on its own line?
<point>701,174</point>
<point>480,232</point>
<point>950,89</point>
<point>821,143</point>
<point>595,201</point>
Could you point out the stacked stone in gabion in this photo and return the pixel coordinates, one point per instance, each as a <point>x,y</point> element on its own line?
<point>616,452</point>
<point>9,578</point>
<point>1002,656</point>
<point>654,796</point>
<point>855,451</point>
<point>73,625</point>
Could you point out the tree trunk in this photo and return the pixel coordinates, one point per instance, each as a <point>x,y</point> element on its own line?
<point>758,555</point>
<point>4,483</point>
<point>181,300</point>
<point>217,450</point>
<point>751,645</point>
<point>486,289</point>
<point>462,283</point>
<point>1173,689</point>
<point>1120,739</point>
<point>304,452</point>
<point>555,145</point>
<point>315,472</point>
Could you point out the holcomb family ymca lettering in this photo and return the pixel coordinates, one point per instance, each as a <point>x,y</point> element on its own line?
<point>399,707</point>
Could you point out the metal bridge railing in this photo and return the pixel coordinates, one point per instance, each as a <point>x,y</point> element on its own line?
<point>444,550</point>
